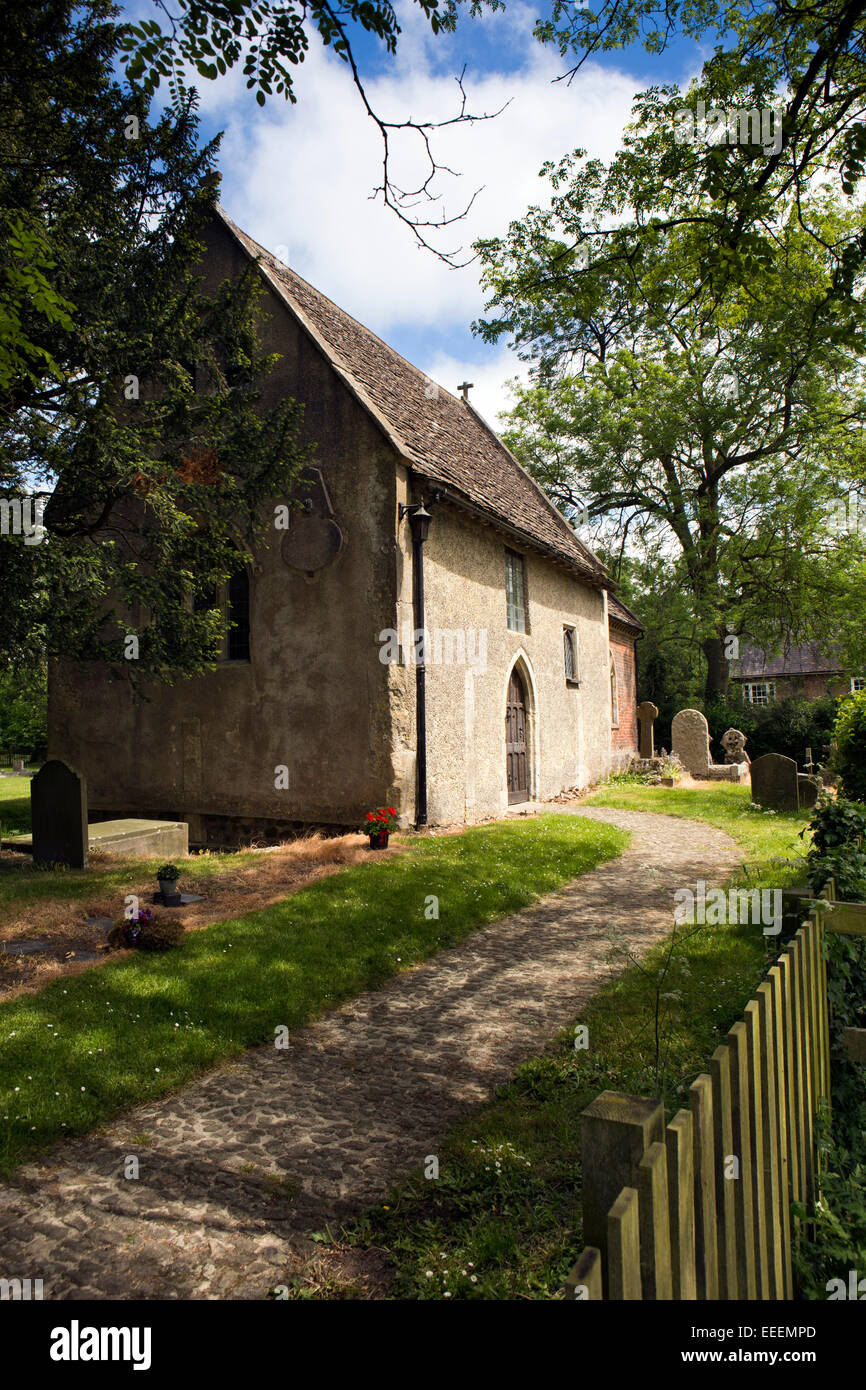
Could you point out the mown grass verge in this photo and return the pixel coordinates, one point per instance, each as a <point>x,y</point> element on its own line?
<point>92,1045</point>
<point>503,1219</point>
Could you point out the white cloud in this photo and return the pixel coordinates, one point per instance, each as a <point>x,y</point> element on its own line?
<point>300,176</point>
<point>490,380</point>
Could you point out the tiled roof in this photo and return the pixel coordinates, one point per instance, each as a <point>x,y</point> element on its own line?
<point>807,659</point>
<point>439,435</point>
<point>617,610</point>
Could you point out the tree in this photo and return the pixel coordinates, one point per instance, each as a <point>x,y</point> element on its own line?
<point>271,38</point>
<point>808,59</point>
<point>713,423</point>
<point>134,413</point>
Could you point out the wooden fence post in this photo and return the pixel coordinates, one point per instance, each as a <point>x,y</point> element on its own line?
<point>623,1246</point>
<point>681,1204</point>
<point>771,1140</point>
<point>584,1283</point>
<point>744,1204</point>
<point>763,1246</point>
<point>655,1224</point>
<point>774,980</point>
<point>703,1132</point>
<point>615,1133</point>
<point>720,1070</point>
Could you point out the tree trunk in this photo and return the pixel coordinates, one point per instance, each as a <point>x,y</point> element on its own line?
<point>716,686</point>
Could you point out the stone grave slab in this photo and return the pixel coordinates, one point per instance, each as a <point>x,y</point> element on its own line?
<point>774,782</point>
<point>807,789</point>
<point>140,839</point>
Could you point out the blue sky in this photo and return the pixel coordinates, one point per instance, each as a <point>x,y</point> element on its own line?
<point>298,177</point>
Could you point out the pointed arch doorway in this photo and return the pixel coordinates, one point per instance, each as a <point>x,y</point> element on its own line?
<point>516,752</point>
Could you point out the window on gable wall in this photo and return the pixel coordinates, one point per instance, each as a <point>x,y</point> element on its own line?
<point>233,601</point>
<point>515,591</point>
<point>569,652</point>
<point>614,694</point>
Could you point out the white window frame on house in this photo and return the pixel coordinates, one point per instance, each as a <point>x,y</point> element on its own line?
<point>759,693</point>
<point>516,605</point>
<point>570,651</point>
<point>857,683</point>
<point>614,692</point>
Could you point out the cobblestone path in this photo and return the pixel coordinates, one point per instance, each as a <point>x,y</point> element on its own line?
<point>243,1165</point>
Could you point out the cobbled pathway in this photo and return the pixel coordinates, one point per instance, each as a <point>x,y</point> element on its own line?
<point>245,1164</point>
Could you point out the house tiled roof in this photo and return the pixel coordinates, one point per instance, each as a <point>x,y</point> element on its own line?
<point>803,660</point>
<point>440,436</point>
<point>617,612</point>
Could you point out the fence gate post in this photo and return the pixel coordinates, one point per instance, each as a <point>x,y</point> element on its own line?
<point>615,1133</point>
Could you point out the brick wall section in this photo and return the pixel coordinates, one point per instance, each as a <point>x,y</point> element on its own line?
<point>624,740</point>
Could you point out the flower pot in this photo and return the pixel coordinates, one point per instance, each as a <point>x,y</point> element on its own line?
<point>168,887</point>
<point>379,839</point>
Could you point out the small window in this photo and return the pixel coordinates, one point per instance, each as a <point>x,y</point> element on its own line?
<point>857,683</point>
<point>614,694</point>
<point>238,617</point>
<point>759,692</point>
<point>569,652</point>
<point>515,591</point>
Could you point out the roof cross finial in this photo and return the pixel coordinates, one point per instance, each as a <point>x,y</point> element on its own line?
<point>464,389</point>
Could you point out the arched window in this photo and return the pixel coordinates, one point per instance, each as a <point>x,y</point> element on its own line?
<point>614,695</point>
<point>238,617</point>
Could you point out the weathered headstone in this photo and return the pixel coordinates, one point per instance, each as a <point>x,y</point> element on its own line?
<point>808,788</point>
<point>647,713</point>
<point>18,766</point>
<point>734,743</point>
<point>58,808</point>
<point>774,782</point>
<point>691,741</point>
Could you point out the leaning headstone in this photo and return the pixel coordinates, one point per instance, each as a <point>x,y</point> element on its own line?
<point>691,741</point>
<point>58,808</point>
<point>807,789</point>
<point>774,782</point>
<point>18,766</point>
<point>647,713</point>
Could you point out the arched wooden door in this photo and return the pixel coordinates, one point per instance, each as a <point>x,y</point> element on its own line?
<point>515,741</point>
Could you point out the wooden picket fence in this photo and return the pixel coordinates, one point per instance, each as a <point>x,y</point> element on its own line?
<point>701,1208</point>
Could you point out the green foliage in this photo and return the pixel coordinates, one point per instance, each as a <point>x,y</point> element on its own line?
<point>168,871</point>
<point>838,1236</point>
<point>685,415</point>
<point>850,735</point>
<point>156,490</point>
<point>789,726</point>
<point>271,37</point>
<point>838,830</point>
<point>24,709</point>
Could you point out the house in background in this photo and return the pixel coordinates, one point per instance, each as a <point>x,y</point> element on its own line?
<point>317,711</point>
<point>804,672</point>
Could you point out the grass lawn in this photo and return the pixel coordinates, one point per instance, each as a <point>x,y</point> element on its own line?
<point>14,805</point>
<point>503,1220</point>
<point>92,1045</point>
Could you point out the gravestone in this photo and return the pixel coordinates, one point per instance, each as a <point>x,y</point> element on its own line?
<point>774,782</point>
<point>58,809</point>
<point>647,713</point>
<point>734,743</point>
<point>691,741</point>
<point>808,788</point>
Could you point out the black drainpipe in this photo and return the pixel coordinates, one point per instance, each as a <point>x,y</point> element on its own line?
<point>420,681</point>
<point>419,521</point>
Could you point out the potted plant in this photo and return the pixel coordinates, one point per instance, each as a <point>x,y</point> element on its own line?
<point>168,876</point>
<point>378,825</point>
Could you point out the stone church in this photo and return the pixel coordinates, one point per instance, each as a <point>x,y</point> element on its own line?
<point>426,632</point>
